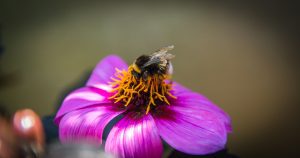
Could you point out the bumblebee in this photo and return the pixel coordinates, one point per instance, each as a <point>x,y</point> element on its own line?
<point>143,85</point>
<point>157,63</point>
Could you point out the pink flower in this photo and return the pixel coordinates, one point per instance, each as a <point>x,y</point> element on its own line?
<point>190,123</point>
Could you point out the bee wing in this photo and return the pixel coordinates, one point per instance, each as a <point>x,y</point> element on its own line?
<point>153,60</point>
<point>165,49</point>
<point>160,56</point>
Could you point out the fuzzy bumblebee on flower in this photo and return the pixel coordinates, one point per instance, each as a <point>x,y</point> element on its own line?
<point>153,108</point>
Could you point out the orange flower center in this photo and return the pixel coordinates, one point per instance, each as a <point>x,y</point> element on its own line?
<point>146,93</point>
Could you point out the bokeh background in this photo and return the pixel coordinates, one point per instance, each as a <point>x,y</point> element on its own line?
<point>243,56</point>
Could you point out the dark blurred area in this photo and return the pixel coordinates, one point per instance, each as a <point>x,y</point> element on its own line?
<point>242,55</point>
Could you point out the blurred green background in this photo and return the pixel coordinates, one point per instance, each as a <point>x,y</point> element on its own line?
<point>237,55</point>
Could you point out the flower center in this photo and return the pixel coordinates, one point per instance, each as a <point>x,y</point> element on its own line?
<point>141,92</point>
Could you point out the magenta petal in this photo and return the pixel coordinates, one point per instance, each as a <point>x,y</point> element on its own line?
<point>191,100</point>
<point>192,125</point>
<point>134,136</point>
<point>178,89</point>
<point>86,124</point>
<point>82,98</point>
<point>106,69</point>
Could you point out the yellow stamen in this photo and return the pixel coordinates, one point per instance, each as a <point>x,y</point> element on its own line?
<point>148,109</point>
<point>128,88</point>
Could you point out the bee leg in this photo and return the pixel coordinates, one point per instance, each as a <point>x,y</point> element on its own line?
<point>145,75</point>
